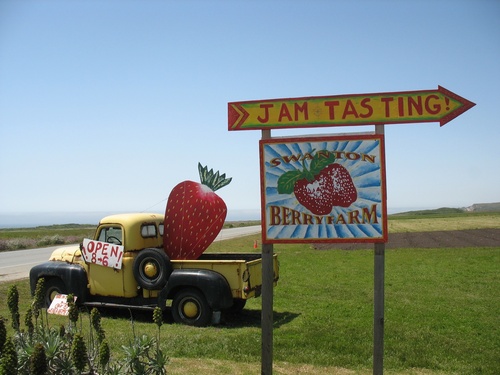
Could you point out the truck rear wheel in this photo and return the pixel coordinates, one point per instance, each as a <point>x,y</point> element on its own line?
<point>237,307</point>
<point>191,307</point>
<point>53,287</point>
<point>152,268</point>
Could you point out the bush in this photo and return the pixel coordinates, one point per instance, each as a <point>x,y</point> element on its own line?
<point>46,350</point>
<point>21,243</point>
<point>30,243</point>
<point>51,240</point>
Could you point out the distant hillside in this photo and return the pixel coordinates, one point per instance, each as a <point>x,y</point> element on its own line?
<point>437,211</point>
<point>475,208</point>
<point>483,207</point>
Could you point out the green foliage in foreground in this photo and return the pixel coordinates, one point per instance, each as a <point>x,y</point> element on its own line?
<point>43,350</point>
<point>441,312</point>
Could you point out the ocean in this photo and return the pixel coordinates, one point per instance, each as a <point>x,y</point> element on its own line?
<point>35,219</point>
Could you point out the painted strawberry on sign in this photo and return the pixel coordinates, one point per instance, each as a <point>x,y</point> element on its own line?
<point>344,191</point>
<point>321,187</point>
<point>194,215</point>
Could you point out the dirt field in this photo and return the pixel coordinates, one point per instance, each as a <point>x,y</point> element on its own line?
<point>440,239</point>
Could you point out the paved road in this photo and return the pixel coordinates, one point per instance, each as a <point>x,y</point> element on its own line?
<point>17,264</point>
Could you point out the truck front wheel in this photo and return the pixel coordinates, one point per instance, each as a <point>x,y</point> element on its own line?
<point>152,269</point>
<point>191,307</point>
<point>53,287</point>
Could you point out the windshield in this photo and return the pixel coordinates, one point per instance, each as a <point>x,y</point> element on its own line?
<point>111,235</point>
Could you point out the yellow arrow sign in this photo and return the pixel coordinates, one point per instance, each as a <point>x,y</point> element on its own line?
<point>348,110</point>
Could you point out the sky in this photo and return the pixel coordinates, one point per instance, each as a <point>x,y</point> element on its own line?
<point>106,105</point>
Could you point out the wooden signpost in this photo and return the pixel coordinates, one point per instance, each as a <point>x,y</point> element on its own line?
<point>331,188</point>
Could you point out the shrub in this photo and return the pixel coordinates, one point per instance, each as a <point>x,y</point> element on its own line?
<point>46,350</point>
<point>8,360</point>
<point>51,240</point>
<point>4,245</point>
<point>31,243</point>
<point>21,243</point>
<point>38,360</point>
<point>13,303</point>
<point>3,333</point>
<point>79,352</point>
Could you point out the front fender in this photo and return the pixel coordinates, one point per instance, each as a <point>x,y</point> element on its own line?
<point>212,284</point>
<point>73,276</point>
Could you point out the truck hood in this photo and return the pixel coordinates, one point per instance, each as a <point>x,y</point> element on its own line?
<point>70,254</point>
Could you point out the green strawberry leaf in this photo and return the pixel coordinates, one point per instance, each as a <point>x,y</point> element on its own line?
<point>321,160</point>
<point>287,180</point>
<point>212,179</point>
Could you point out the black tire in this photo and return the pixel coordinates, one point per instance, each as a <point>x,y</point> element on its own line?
<point>237,307</point>
<point>53,287</point>
<point>152,268</point>
<point>190,307</point>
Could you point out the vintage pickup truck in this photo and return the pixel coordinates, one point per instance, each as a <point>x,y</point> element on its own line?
<point>195,291</point>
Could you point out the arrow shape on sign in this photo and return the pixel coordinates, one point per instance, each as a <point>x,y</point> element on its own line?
<point>439,105</point>
<point>457,111</point>
<point>237,115</point>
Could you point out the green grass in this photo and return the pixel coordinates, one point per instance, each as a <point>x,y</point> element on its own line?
<point>417,221</point>
<point>441,314</point>
<point>437,221</point>
<point>441,304</point>
<point>38,232</point>
<point>79,230</point>
<point>441,308</point>
<point>26,238</point>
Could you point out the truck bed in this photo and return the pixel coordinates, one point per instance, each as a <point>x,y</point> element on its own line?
<point>243,271</point>
<point>247,257</point>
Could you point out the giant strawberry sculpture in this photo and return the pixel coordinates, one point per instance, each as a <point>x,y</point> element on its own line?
<point>321,187</point>
<point>194,215</point>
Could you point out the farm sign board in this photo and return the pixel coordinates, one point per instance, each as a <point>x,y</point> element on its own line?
<point>323,189</point>
<point>348,110</point>
<point>59,305</point>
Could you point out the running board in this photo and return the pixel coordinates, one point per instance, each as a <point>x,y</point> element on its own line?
<point>119,306</point>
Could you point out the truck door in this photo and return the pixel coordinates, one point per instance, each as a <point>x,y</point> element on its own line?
<point>106,281</point>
